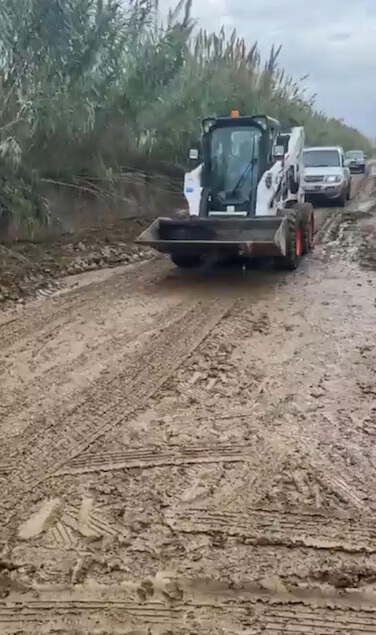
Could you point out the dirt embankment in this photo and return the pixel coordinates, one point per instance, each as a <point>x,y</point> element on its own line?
<point>29,268</point>
<point>192,455</point>
<point>90,228</point>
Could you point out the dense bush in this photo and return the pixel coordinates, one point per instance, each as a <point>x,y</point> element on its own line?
<point>90,87</point>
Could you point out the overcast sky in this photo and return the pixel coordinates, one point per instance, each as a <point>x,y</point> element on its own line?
<point>334,41</point>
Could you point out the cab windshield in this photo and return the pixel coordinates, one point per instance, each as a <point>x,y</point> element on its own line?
<point>354,154</point>
<point>321,159</point>
<point>233,158</point>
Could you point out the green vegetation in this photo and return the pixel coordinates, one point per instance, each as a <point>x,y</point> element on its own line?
<point>91,87</point>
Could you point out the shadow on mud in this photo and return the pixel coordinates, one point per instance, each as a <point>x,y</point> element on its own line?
<point>234,276</point>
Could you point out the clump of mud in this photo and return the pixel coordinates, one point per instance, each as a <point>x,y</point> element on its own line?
<point>341,576</point>
<point>352,234</point>
<point>367,244</point>
<point>28,268</point>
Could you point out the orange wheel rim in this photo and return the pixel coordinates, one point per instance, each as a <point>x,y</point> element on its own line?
<point>298,242</point>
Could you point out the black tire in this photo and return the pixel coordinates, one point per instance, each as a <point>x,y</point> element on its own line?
<point>186,262</point>
<point>295,224</point>
<point>308,222</point>
<point>204,203</point>
<point>348,193</point>
<point>342,199</point>
<point>294,185</point>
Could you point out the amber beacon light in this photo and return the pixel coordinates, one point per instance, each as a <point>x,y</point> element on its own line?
<point>234,113</point>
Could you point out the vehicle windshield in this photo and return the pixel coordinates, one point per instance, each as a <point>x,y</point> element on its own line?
<point>321,159</point>
<point>233,157</point>
<point>354,154</point>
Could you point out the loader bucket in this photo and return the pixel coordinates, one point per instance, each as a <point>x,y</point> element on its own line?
<point>262,236</point>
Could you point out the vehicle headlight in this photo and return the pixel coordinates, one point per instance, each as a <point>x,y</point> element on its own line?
<point>333,179</point>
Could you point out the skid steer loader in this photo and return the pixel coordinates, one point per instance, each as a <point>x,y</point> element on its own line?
<point>244,194</point>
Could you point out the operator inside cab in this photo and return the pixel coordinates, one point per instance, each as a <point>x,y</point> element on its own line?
<point>243,160</point>
<point>233,162</point>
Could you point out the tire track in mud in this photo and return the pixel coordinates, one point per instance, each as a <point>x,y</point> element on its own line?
<point>312,621</point>
<point>19,410</point>
<point>157,457</point>
<point>36,330</point>
<point>275,528</point>
<point>112,402</point>
<point>73,525</point>
<point>337,475</point>
<point>329,470</point>
<point>54,611</point>
<point>59,311</point>
<point>283,613</point>
<point>341,479</point>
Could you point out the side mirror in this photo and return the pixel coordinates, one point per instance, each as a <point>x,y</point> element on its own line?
<point>279,153</point>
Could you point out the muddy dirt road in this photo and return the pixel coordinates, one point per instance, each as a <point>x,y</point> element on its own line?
<point>191,456</point>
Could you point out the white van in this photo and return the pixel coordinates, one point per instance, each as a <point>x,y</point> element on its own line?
<point>325,174</point>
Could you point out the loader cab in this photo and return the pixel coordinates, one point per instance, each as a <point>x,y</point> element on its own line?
<point>236,152</point>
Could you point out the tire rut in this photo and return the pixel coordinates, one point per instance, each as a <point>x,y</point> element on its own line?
<point>56,312</point>
<point>19,410</point>
<point>143,374</point>
<point>272,528</point>
<point>157,457</point>
<point>63,611</point>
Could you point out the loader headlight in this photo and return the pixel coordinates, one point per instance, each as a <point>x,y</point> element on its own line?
<point>268,180</point>
<point>333,179</point>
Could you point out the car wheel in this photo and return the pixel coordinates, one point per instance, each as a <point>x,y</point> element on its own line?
<point>342,199</point>
<point>308,227</point>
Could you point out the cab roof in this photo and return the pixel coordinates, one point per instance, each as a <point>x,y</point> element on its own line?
<point>320,148</point>
<point>264,122</point>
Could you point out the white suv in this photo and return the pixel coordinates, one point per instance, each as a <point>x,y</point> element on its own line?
<point>325,174</point>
